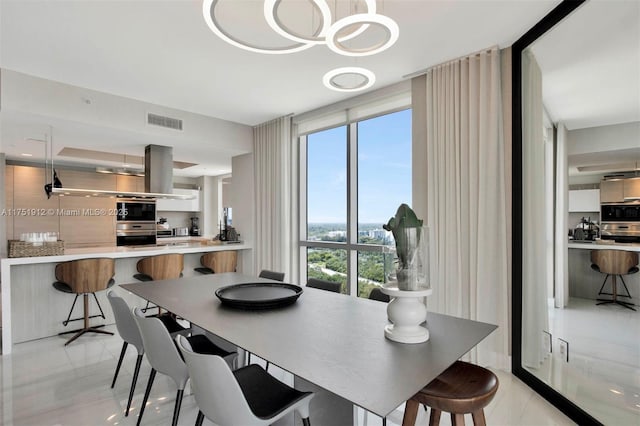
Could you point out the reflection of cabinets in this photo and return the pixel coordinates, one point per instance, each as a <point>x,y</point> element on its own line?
<point>40,213</point>
<point>584,200</point>
<point>87,220</point>
<point>8,200</point>
<point>612,191</point>
<point>129,183</point>
<point>632,187</point>
<point>616,190</point>
<point>193,205</point>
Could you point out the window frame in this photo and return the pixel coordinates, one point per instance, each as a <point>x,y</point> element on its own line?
<point>351,244</point>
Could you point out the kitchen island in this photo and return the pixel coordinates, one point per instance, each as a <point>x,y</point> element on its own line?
<point>584,282</point>
<point>33,309</point>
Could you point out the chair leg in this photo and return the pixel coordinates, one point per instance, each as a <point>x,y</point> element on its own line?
<point>248,358</point>
<point>115,376</point>
<point>625,288</point>
<point>306,422</point>
<point>176,409</point>
<point>199,419</point>
<point>603,284</point>
<point>384,421</point>
<point>146,395</point>
<point>73,305</point>
<point>267,367</point>
<point>99,307</point>
<point>434,417</point>
<point>410,413</point>
<point>478,418</point>
<point>86,328</point>
<point>457,419</point>
<point>133,383</point>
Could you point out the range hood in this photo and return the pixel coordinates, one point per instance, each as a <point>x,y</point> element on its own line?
<point>158,179</point>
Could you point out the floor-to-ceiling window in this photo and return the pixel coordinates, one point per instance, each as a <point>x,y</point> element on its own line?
<point>354,178</point>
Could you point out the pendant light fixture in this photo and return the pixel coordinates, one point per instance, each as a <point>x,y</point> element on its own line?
<point>333,34</point>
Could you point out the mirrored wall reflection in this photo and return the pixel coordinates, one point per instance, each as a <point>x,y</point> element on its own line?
<point>581,126</point>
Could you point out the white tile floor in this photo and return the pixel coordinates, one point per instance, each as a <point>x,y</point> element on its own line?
<point>45,383</point>
<point>603,372</point>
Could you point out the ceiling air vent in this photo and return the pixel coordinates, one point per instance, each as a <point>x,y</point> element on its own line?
<point>168,122</point>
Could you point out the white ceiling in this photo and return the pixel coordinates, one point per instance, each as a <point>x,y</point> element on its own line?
<point>590,65</point>
<point>162,52</point>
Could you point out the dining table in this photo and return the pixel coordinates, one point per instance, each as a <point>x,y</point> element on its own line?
<point>332,341</point>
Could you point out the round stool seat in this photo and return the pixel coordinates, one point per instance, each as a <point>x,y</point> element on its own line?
<point>64,287</point>
<point>461,388</point>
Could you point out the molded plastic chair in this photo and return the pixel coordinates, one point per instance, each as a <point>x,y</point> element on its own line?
<point>324,285</point>
<point>247,396</point>
<point>84,277</point>
<point>164,357</point>
<point>377,294</point>
<point>130,334</point>
<point>272,275</point>
<point>218,262</point>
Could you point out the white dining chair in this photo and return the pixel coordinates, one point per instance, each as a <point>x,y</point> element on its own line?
<point>164,357</point>
<point>246,396</point>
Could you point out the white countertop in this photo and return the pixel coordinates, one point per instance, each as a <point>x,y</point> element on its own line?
<point>604,245</point>
<point>129,251</point>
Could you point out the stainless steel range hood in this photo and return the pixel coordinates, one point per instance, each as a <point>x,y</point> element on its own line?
<point>158,179</point>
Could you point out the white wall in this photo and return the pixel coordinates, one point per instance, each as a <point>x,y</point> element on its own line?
<point>242,200</point>
<point>604,138</point>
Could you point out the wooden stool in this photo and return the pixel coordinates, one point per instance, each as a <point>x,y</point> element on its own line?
<point>217,262</point>
<point>461,389</point>
<point>84,277</point>
<point>614,264</point>
<point>160,267</point>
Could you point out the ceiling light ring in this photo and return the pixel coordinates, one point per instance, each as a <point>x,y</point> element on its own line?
<point>329,79</point>
<point>273,20</point>
<point>208,12</point>
<point>371,9</point>
<point>387,23</point>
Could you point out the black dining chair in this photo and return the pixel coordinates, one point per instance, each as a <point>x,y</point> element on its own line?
<point>324,285</point>
<point>377,294</point>
<point>272,275</point>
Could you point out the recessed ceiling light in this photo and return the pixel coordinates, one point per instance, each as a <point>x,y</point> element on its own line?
<point>24,154</point>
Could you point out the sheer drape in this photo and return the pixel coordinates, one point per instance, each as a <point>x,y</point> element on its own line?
<point>274,154</point>
<point>459,118</point>
<point>535,266</point>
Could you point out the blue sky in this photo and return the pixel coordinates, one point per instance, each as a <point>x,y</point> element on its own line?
<point>384,170</point>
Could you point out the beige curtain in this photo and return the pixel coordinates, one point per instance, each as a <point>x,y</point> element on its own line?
<point>274,155</point>
<point>534,207</point>
<point>464,189</point>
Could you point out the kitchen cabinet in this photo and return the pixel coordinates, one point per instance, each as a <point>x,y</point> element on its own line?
<point>129,183</point>
<point>193,205</point>
<point>87,220</point>
<point>34,212</point>
<point>632,188</point>
<point>584,200</point>
<point>8,200</point>
<point>612,191</point>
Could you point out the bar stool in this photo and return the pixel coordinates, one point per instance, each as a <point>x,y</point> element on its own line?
<point>461,389</point>
<point>84,277</point>
<point>160,267</point>
<point>218,262</point>
<point>614,263</point>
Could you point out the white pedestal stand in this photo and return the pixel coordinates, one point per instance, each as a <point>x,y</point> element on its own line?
<point>406,311</point>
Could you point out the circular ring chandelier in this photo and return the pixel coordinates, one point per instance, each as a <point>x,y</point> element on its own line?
<point>334,35</point>
<point>330,79</point>
<point>387,23</point>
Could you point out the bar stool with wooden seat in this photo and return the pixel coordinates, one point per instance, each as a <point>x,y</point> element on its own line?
<point>160,267</point>
<point>614,263</point>
<point>217,262</point>
<point>85,277</point>
<point>461,389</point>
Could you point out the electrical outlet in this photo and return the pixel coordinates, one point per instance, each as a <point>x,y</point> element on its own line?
<point>564,349</point>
